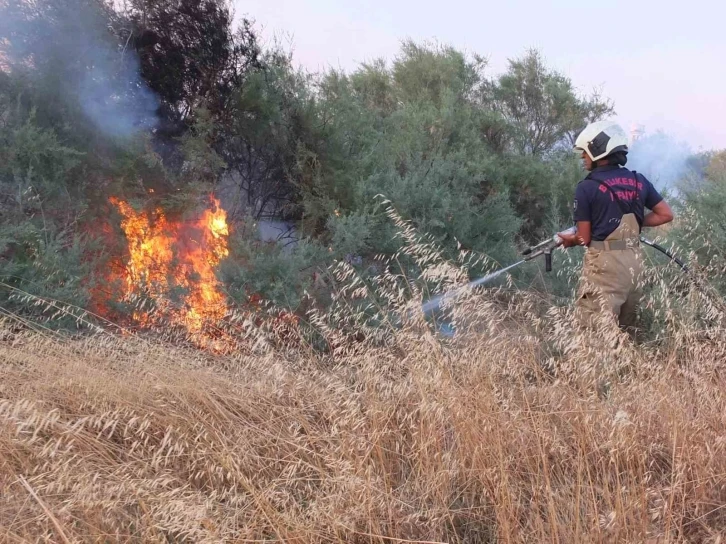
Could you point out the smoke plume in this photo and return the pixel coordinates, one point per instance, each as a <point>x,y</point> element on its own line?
<point>74,48</point>
<point>661,158</point>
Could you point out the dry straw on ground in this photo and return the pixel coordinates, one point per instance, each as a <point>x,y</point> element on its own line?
<point>519,429</point>
<point>488,439</point>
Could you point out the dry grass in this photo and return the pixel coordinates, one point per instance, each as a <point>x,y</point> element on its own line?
<point>116,439</point>
<point>521,429</point>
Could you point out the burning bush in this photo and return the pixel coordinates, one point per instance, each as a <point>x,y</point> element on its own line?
<point>166,256</point>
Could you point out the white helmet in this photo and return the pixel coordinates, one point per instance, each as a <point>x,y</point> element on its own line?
<point>601,139</point>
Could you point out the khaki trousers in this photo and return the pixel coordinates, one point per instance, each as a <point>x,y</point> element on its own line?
<point>610,278</point>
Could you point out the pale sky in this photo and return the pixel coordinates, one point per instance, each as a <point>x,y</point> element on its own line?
<point>663,63</point>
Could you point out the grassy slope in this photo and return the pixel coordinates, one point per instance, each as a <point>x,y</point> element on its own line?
<point>110,439</point>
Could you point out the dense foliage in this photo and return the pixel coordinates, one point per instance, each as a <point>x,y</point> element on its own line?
<point>165,103</point>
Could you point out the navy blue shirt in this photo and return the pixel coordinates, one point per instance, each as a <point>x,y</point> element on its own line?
<point>595,203</point>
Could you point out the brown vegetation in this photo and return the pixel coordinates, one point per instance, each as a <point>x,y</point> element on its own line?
<point>516,433</point>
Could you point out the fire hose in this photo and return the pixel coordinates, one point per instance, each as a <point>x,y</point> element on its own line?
<point>543,248</point>
<point>665,252</point>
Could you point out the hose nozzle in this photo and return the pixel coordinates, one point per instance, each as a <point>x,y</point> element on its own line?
<point>550,242</point>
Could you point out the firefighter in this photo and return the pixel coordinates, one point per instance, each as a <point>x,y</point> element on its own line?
<point>609,212</point>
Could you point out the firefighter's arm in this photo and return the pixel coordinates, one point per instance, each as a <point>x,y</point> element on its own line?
<point>659,215</point>
<point>580,238</point>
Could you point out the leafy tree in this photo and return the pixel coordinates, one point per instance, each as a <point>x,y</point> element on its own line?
<point>429,73</point>
<point>410,133</point>
<point>189,54</point>
<point>542,107</point>
<point>271,118</point>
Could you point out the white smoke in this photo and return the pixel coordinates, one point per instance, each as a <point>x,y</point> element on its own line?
<point>661,158</point>
<point>69,48</point>
<point>120,105</point>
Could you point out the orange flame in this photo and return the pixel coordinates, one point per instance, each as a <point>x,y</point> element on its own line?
<point>166,255</point>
